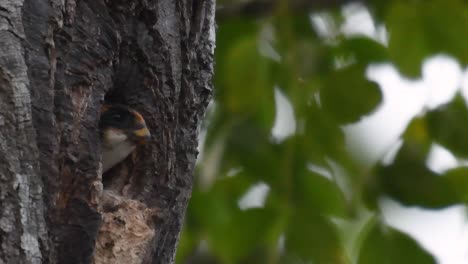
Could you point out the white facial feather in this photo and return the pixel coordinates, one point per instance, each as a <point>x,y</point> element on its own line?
<point>113,137</point>
<point>116,148</point>
<point>114,155</point>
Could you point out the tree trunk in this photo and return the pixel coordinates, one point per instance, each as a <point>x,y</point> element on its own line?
<point>59,61</point>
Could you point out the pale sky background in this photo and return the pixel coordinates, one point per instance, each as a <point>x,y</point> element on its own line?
<point>444,233</point>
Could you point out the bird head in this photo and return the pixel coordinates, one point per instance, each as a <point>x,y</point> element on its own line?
<point>122,129</point>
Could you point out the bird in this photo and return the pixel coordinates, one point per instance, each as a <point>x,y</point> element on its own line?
<point>122,129</point>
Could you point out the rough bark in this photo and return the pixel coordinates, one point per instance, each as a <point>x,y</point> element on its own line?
<point>23,237</point>
<point>71,56</point>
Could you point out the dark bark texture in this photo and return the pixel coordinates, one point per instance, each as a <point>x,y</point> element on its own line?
<point>59,61</point>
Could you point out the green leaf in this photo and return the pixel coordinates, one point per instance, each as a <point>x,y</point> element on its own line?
<point>245,232</point>
<point>209,208</point>
<point>448,125</point>
<point>187,244</point>
<point>291,29</point>
<point>418,136</point>
<point>315,193</point>
<point>363,50</point>
<point>422,28</point>
<point>323,139</point>
<point>314,238</point>
<point>244,83</point>
<point>458,180</point>
<point>347,95</point>
<point>409,181</point>
<point>385,245</point>
<point>231,31</point>
<point>248,146</point>
<point>214,216</point>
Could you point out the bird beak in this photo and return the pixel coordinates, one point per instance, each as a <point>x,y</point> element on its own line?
<point>142,135</point>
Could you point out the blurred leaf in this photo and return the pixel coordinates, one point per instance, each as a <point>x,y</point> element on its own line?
<point>314,238</point>
<point>291,29</point>
<point>458,179</point>
<point>418,135</point>
<point>245,85</point>
<point>379,9</point>
<point>363,50</point>
<point>218,219</point>
<point>322,137</point>
<point>407,46</point>
<point>231,31</point>
<point>385,245</point>
<point>210,208</point>
<point>304,65</point>
<point>323,141</point>
<point>303,56</point>
<point>187,244</point>
<point>448,125</point>
<point>246,231</point>
<point>299,73</point>
<point>302,26</point>
<point>409,181</point>
<point>419,29</point>
<point>248,146</point>
<point>255,55</point>
<point>347,95</point>
<point>315,193</point>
